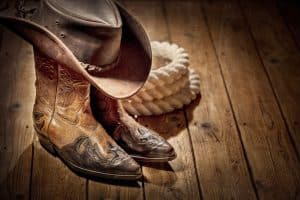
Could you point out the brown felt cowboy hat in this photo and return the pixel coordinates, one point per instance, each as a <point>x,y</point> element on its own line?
<point>99,39</point>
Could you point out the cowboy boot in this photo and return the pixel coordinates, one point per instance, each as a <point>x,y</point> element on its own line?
<point>66,127</point>
<point>140,142</point>
<point>66,34</point>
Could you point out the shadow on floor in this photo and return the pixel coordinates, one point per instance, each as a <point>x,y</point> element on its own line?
<point>171,124</point>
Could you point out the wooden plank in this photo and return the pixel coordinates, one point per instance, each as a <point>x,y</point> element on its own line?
<point>51,179</point>
<point>218,150</point>
<point>280,56</point>
<point>16,100</point>
<point>290,10</point>
<point>176,179</point>
<point>272,159</point>
<point>115,190</point>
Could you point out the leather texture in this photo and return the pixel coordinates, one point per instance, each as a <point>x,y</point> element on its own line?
<point>62,114</point>
<point>102,36</point>
<point>140,142</point>
<point>67,44</point>
<point>93,38</point>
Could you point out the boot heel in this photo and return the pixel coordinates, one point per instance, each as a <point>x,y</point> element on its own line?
<point>45,142</point>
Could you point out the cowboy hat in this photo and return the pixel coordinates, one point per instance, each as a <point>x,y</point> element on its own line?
<point>99,39</point>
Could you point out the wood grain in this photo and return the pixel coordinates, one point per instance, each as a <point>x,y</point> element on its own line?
<point>51,179</point>
<point>178,178</point>
<point>218,151</point>
<point>16,102</point>
<point>268,147</point>
<point>291,14</point>
<point>280,56</point>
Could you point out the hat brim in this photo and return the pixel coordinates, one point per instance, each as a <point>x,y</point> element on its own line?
<point>123,81</point>
<point>134,64</point>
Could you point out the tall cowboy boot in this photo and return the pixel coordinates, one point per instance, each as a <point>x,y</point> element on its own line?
<point>78,43</point>
<point>67,128</point>
<point>140,142</point>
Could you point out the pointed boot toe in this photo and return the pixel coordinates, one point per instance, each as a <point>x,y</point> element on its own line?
<point>164,151</point>
<point>138,141</point>
<point>148,145</point>
<point>87,157</point>
<point>131,167</point>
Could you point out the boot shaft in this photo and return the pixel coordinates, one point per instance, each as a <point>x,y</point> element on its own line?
<point>66,126</point>
<point>46,85</point>
<point>61,93</point>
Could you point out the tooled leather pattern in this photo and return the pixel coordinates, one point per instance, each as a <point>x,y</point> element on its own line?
<point>139,139</point>
<point>85,153</point>
<point>46,70</point>
<point>70,101</point>
<point>39,120</point>
<point>73,107</point>
<point>148,137</point>
<point>106,109</point>
<point>130,135</point>
<point>46,80</point>
<point>72,97</point>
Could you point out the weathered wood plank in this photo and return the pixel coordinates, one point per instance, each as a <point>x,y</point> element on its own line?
<point>280,56</point>
<point>218,151</point>
<point>290,10</point>
<point>176,179</point>
<point>51,179</point>
<point>115,190</point>
<point>268,147</point>
<point>16,101</point>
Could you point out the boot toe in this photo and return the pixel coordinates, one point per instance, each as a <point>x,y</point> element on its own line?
<point>147,146</point>
<point>164,149</point>
<point>131,167</point>
<point>90,160</point>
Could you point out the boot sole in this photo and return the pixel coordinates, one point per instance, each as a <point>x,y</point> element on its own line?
<point>157,159</point>
<point>46,144</point>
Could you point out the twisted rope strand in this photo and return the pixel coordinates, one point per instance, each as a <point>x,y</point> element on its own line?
<point>167,104</point>
<point>169,87</point>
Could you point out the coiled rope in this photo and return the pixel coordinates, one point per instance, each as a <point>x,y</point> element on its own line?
<point>168,87</point>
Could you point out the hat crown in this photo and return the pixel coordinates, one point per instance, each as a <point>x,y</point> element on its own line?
<point>102,12</point>
<point>90,28</point>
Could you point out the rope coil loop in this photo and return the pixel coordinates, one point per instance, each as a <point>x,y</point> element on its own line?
<point>168,87</point>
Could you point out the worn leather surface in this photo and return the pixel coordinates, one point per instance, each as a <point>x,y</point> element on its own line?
<point>46,83</point>
<point>103,35</point>
<point>135,138</point>
<point>91,29</point>
<point>62,114</point>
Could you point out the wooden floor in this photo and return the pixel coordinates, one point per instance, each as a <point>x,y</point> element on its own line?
<point>240,140</point>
